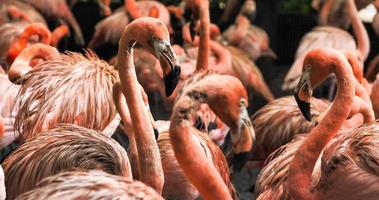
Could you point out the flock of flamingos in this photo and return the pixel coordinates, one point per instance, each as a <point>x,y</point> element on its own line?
<point>61,109</point>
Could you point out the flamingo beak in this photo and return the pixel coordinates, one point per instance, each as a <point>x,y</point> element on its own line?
<point>170,79</point>
<point>303,93</point>
<point>192,27</point>
<point>242,140</point>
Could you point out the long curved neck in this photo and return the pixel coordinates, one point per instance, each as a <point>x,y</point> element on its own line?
<point>150,161</point>
<point>203,55</point>
<point>131,8</point>
<point>200,171</point>
<point>20,43</point>
<point>58,34</point>
<point>122,108</point>
<point>22,64</point>
<point>361,107</point>
<point>363,42</point>
<point>301,167</point>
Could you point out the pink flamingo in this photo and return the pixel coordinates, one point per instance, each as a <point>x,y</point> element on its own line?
<point>17,10</point>
<point>109,29</point>
<point>64,147</point>
<point>240,66</point>
<point>278,122</point>
<point>253,40</point>
<point>93,184</point>
<point>22,41</point>
<point>201,169</point>
<point>277,185</point>
<point>54,79</point>
<point>22,64</point>
<point>122,108</point>
<point>334,13</point>
<point>330,37</point>
<point>58,9</point>
<point>153,36</point>
<point>9,91</point>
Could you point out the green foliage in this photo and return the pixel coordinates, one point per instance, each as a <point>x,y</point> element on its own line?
<point>297,6</point>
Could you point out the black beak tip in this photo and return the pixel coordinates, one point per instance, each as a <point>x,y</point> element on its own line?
<point>156,133</point>
<point>304,107</point>
<point>192,29</point>
<point>171,80</point>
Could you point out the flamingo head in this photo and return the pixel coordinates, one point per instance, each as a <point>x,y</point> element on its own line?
<point>228,100</point>
<point>153,35</point>
<point>315,70</point>
<point>303,93</point>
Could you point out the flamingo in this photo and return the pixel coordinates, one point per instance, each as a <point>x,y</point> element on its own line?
<point>22,40</point>
<point>23,63</point>
<point>9,91</point>
<point>11,10</point>
<point>62,148</point>
<point>203,171</point>
<point>240,65</point>
<point>8,33</point>
<point>333,12</point>
<point>278,122</point>
<point>58,9</point>
<point>277,184</point>
<point>91,185</point>
<point>109,29</point>
<point>326,36</point>
<point>176,185</point>
<point>249,8</point>
<point>122,108</point>
<point>153,36</point>
<point>54,79</point>
<point>253,40</point>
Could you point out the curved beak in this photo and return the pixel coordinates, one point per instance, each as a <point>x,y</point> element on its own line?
<point>303,93</point>
<point>242,139</point>
<point>171,69</point>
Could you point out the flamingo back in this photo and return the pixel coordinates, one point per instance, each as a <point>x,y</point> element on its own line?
<point>91,185</point>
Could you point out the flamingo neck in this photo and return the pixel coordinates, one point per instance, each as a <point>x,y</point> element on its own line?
<point>22,64</point>
<point>324,13</point>
<point>123,110</point>
<point>58,34</point>
<point>150,161</point>
<point>301,167</point>
<point>361,92</point>
<point>15,49</point>
<point>361,107</point>
<point>21,42</point>
<point>131,8</point>
<point>203,54</point>
<point>192,159</point>
<point>363,42</point>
